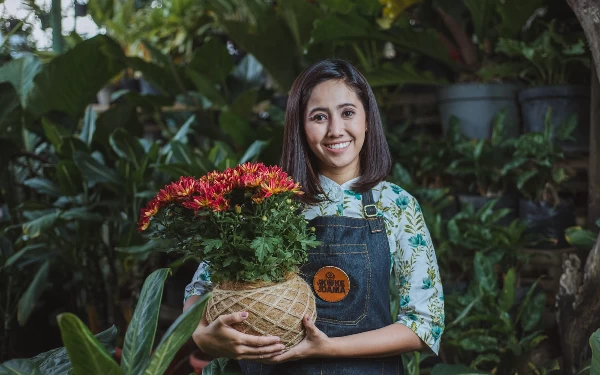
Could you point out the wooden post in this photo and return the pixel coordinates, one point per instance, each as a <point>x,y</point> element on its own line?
<point>578,304</point>
<point>594,165</point>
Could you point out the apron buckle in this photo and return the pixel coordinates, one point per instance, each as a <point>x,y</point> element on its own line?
<point>370,210</point>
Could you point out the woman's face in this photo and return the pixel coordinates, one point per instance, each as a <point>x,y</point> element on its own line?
<point>335,125</point>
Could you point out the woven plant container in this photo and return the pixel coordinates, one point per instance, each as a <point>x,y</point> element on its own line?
<point>274,310</point>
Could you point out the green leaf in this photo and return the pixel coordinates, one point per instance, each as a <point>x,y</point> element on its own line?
<point>81,213</point>
<point>485,276</point>
<point>212,60</point>
<point>299,17</point>
<point>19,367</point>
<point>595,344</point>
<point>126,146</point>
<point>581,238</point>
<point>524,177</point>
<point>21,73</point>
<point>242,106</point>
<point>69,82</point>
<point>43,186</point>
<point>89,126</point>
<point>54,132</point>
<point>236,127</point>
<point>533,311</point>
<point>29,299</point>
<point>24,251</point>
<point>145,248</point>
<point>205,87</point>
<point>514,15</point>
<point>139,338</point>
<point>86,353</point>
<point>253,151</point>
<point>507,298</point>
<point>35,227</point>
<point>69,145</point>
<point>481,13</point>
<point>283,66</point>
<point>11,114</point>
<point>69,178</point>
<point>56,361</point>
<point>262,246</point>
<point>222,366</point>
<point>178,333</point>
<point>95,172</point>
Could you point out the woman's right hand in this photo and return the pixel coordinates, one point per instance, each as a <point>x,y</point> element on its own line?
<point>220,339</point>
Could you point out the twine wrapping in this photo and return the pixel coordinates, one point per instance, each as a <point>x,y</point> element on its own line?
<point>275,310</point>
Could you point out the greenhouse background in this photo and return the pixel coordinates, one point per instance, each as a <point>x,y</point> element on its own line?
<point>491,112</point>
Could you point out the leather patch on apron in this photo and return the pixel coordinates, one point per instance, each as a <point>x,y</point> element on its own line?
<point>331,284</point>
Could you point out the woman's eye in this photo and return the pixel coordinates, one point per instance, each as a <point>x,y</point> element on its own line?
<point>348,113</point>
<point>319,117</point>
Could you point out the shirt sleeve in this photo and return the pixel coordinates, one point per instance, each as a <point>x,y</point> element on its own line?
<point>200,284</point>
<point>417,276</point>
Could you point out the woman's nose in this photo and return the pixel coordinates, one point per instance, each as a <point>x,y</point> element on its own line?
<point>336,127</point>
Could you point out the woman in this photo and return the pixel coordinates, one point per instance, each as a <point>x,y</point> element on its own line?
<point>372,232</point>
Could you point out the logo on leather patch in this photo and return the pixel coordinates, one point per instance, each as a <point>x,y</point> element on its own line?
<point>331,284</point>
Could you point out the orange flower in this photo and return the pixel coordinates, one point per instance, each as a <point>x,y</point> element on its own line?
<point>182,188</point>
<point>147,213</point>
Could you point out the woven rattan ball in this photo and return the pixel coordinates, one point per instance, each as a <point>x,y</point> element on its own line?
<point>274,310</point>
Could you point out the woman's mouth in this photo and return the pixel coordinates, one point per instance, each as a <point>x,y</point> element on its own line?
<point>338,146</point>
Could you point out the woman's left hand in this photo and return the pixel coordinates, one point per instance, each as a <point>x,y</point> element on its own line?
<point>316,343</point>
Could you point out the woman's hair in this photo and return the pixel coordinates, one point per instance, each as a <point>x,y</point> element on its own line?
<point>299,161</point>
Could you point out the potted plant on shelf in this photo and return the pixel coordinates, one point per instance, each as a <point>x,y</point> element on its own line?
<point>548,64</point>
<point>538,178</point>
<point>243,223</point>
<point>480,168</point>
<point>484,83</point>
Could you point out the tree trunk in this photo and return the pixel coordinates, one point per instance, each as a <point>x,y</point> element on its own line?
<point>578,304</point>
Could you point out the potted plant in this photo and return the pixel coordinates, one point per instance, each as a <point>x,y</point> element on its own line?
<point>548,64</point>
<point>538,178</point>
<point>480,168</point>
<point>243,223</point>
<point>484,85</point>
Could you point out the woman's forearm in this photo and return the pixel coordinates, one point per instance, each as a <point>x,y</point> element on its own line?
<point>383,342</point>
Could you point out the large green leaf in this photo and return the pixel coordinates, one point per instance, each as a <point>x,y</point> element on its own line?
<point>70,144</point>
<point>19,367</point>
<point>595,344</point>
<point>81,213</point>
<point>177,334</point>
<point>300,17</point>
<point>33,248</point>
<point>206,87</point>
<point>242,106</point>
<point>89,126</point>
<point>70,81</point>
<point>126,146</point>
<point>160,76</point>
<point>10,113</point>
<point>86,353</point>
<point>212,60</point>
<point>56,361</point>
<point>69,178</point>
<point>94,171</point>
<point>581,238</point>
<point>139,338</point>
<point>35,227</point>
<point>123,115</point>
<point>282,65</point>
<point>21,73</point>
<point>54,132</point>
<point>43,186</point>
<point>236,127</point>
<point>29,299</point>
<point>222,366</point>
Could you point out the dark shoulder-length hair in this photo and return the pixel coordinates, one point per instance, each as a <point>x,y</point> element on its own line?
<point>299,161</point>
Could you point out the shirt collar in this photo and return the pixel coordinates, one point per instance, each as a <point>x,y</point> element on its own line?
<point>332,189</point>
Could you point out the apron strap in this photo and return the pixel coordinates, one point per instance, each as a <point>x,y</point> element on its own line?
<point>370,212</point>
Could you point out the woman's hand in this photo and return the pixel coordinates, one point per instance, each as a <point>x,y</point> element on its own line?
<point>315,344</point>
<point>219,339</point>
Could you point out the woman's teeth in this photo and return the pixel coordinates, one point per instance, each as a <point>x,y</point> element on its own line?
<point>338,145</point>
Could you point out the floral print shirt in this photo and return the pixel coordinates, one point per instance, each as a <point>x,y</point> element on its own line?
<point>413,263</point>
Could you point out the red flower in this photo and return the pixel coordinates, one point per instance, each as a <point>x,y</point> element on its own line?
<point>147,213</point>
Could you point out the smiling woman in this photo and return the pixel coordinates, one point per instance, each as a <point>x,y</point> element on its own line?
<point>374,243</point>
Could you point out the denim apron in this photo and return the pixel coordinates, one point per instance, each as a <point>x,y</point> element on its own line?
<point>361,249</point>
